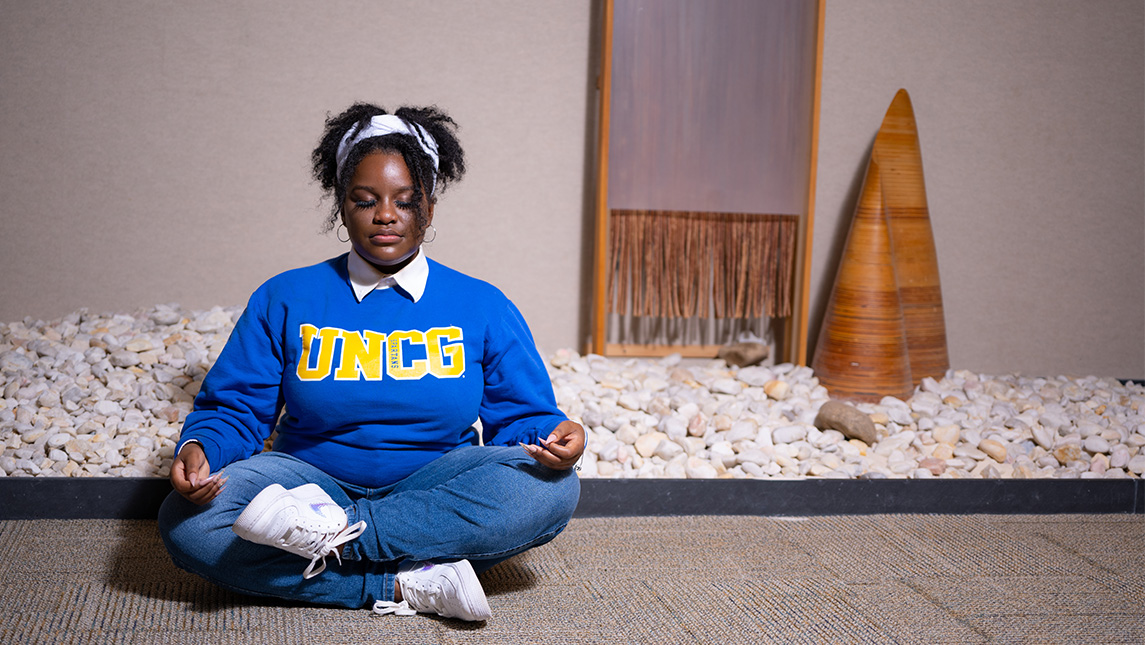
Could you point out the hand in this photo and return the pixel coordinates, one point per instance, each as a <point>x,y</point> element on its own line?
<point>191,475</point>
<point>562,448</point>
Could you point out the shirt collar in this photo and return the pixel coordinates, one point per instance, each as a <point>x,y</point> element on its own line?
<point>365,277</point>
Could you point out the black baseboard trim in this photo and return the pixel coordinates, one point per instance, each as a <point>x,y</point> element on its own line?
<point>131,498</point>
<point>76,498</point>
<point>632,497</point>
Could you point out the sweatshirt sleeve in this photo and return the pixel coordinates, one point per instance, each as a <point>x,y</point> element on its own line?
<point>238,404</point>
<point>518,404</point>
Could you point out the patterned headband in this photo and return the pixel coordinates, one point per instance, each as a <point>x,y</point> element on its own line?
<point>384,124</point>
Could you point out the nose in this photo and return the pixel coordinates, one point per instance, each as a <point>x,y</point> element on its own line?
<point>385,213</point>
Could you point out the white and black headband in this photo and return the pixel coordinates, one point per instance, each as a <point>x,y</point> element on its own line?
<point>384,124</point>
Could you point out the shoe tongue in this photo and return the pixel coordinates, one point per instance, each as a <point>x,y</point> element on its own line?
<point>427,595</point>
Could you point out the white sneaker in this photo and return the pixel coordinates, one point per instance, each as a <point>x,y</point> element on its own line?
<point>302,520</point>
<point>450,589</point>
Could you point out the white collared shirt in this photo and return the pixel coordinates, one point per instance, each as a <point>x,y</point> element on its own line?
<point>365,277</point>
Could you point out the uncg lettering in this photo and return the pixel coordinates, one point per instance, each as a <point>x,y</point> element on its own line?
<point>370,355</point>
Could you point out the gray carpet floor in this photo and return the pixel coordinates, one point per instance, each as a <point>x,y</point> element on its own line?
<point>858,579</point>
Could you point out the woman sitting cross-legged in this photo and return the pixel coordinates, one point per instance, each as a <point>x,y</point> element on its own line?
<point>374,367</point>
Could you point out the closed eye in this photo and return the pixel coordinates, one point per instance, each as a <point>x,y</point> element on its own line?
<point>366,204</point>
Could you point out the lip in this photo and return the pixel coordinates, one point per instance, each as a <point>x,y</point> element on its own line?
<point>385,237</point>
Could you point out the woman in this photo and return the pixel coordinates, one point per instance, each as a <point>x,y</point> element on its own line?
<point>374,367</point>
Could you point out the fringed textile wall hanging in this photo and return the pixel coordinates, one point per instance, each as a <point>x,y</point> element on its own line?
<point>679,264</point>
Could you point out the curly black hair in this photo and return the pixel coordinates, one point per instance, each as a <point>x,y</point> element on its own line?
<point>451,158</point>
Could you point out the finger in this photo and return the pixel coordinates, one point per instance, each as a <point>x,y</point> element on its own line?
<point>209,480</point>
<point>202,469</point>
<point>561,464</point>
<point>179,480</point>
<point>192,465</point>
<point>215,481</point>
<point>563,431</point>
<point>572,446</point>
<point>199,496</point>
<point>546,458</point>
<point>212,493</point>
<point>538,453</point>
<point>207,492</point>
<point>560,451</point>
<point>541,455</point>
<point>561,458</point>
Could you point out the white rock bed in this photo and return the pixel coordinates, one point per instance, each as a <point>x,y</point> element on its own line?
<point>667,419</point>
<point>105,395</point>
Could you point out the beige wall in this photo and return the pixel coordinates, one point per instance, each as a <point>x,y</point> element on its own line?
<point>157,152</point>
<point>1032,126</point>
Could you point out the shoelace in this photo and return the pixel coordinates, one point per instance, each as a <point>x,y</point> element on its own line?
<point>383,607</point>
<point>321,545</point>
<point>427,596</point>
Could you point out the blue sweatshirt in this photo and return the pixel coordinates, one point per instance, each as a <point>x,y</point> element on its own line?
<point>371,391</point>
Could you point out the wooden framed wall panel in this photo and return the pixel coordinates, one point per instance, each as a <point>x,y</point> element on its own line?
<point>712,108</point>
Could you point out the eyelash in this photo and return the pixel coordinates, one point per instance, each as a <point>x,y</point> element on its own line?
<point>373,202</point>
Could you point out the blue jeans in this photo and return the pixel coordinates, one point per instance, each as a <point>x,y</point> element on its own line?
<point>479,503</point>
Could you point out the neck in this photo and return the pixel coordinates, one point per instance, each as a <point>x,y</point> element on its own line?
<point>390,269</point>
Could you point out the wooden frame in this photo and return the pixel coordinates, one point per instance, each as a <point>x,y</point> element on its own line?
<point>794,327</point>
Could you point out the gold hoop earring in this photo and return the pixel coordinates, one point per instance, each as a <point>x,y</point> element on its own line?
<point>430,240</point>
<point>337,230</point>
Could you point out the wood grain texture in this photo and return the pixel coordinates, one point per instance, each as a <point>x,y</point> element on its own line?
<point>795,326</point>
<point>899,156</point>
<point>884,329</point>
<point>862,352</point>
<point>596,340</point>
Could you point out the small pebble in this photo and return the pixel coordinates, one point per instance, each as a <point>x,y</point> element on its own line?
<point>996,450</point>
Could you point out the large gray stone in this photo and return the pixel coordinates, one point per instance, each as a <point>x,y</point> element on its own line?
<point>847,419</point>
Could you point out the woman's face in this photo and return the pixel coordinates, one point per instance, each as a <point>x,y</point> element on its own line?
<point>379,213</point>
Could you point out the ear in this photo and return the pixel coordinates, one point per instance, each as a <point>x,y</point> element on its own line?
<point>430,203</point>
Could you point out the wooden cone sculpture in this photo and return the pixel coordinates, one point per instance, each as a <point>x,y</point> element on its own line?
<point>884,330</point>
<point>899,156</point>
<point>862,352</point>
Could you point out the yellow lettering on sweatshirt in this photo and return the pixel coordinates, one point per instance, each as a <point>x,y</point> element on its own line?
<point>326,338</point>
<point>371,355</point>
<point>445,360</point>
<point>396,365</point>
<point>361,356</point>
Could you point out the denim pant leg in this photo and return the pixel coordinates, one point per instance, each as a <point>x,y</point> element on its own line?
<point>200,540</point>
<point>479,503</point>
